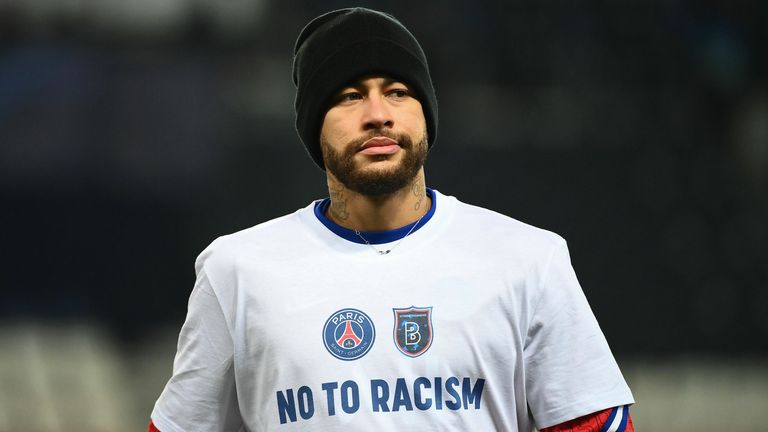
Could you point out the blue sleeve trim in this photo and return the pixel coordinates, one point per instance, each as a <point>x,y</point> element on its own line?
<point>374,237</point>
<point>608,422</point>
<point>624,419</point>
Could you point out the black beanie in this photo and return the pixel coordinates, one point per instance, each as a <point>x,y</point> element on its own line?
<point>340,46</point>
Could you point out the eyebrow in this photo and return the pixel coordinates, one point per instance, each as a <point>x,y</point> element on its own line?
<point>359,82</point>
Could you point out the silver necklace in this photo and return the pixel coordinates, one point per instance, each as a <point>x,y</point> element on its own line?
<point>383,251</point>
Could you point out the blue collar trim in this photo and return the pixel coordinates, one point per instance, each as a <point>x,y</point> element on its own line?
<point>374,237</point>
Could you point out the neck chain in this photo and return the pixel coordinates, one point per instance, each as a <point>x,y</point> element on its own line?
<point>386,251</point>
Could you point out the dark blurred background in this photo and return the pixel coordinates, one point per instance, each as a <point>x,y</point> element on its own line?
<point>134,133</point>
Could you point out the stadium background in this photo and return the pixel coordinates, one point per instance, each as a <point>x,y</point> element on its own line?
<point>134,133</point>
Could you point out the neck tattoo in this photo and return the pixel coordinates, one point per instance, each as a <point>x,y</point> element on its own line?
<point>386,251</point>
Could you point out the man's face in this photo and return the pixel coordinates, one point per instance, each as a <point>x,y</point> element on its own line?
<point>373,137</point>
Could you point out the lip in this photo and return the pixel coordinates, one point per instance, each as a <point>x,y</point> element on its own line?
<point>379,146</point>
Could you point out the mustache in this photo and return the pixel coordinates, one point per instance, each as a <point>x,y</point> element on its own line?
<point>402,139</point>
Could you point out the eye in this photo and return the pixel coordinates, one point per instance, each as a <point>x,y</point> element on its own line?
<point>399,93</point>
<point>348,96</point>
<point>352,96</point>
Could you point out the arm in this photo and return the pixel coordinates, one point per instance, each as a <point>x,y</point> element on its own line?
<point>615,419</point>
<point>570,370</point>
<point>201,393</point>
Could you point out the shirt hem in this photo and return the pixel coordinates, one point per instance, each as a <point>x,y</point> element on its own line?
<point>579,409</point>
<point>163,423</point>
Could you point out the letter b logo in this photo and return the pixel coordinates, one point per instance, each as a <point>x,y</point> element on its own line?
<point>413,330</point>
<point>412,335</point>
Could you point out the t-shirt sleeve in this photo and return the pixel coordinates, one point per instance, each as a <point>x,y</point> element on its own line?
<point>569,368</point>
<point>201,393</point>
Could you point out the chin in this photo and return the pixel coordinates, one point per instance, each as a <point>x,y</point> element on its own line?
<point>380,166</point>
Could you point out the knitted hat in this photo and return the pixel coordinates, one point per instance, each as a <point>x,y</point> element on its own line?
<point>340,46</point>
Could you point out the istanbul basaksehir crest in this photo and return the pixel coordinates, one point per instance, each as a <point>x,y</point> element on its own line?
<point>412,331</point>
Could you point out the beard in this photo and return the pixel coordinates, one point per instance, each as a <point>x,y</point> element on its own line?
<point>375,182</point>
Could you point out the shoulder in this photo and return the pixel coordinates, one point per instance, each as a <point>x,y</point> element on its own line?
<point>492,227</point>
<point>261,240</point>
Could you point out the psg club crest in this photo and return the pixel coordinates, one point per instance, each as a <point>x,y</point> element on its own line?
<point>349,334</point>
<point>413,330</point>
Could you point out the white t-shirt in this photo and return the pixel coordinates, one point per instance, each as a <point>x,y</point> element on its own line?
<point>475,321</point>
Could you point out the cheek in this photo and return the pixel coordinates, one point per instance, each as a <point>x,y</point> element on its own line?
<point>414,122</point>
<point>412,116</point>
<point>334,128</point>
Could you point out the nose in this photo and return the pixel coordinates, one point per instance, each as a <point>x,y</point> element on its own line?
<point>377,114</point>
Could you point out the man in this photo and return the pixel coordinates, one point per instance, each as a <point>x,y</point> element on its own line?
<point>388,306</point>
